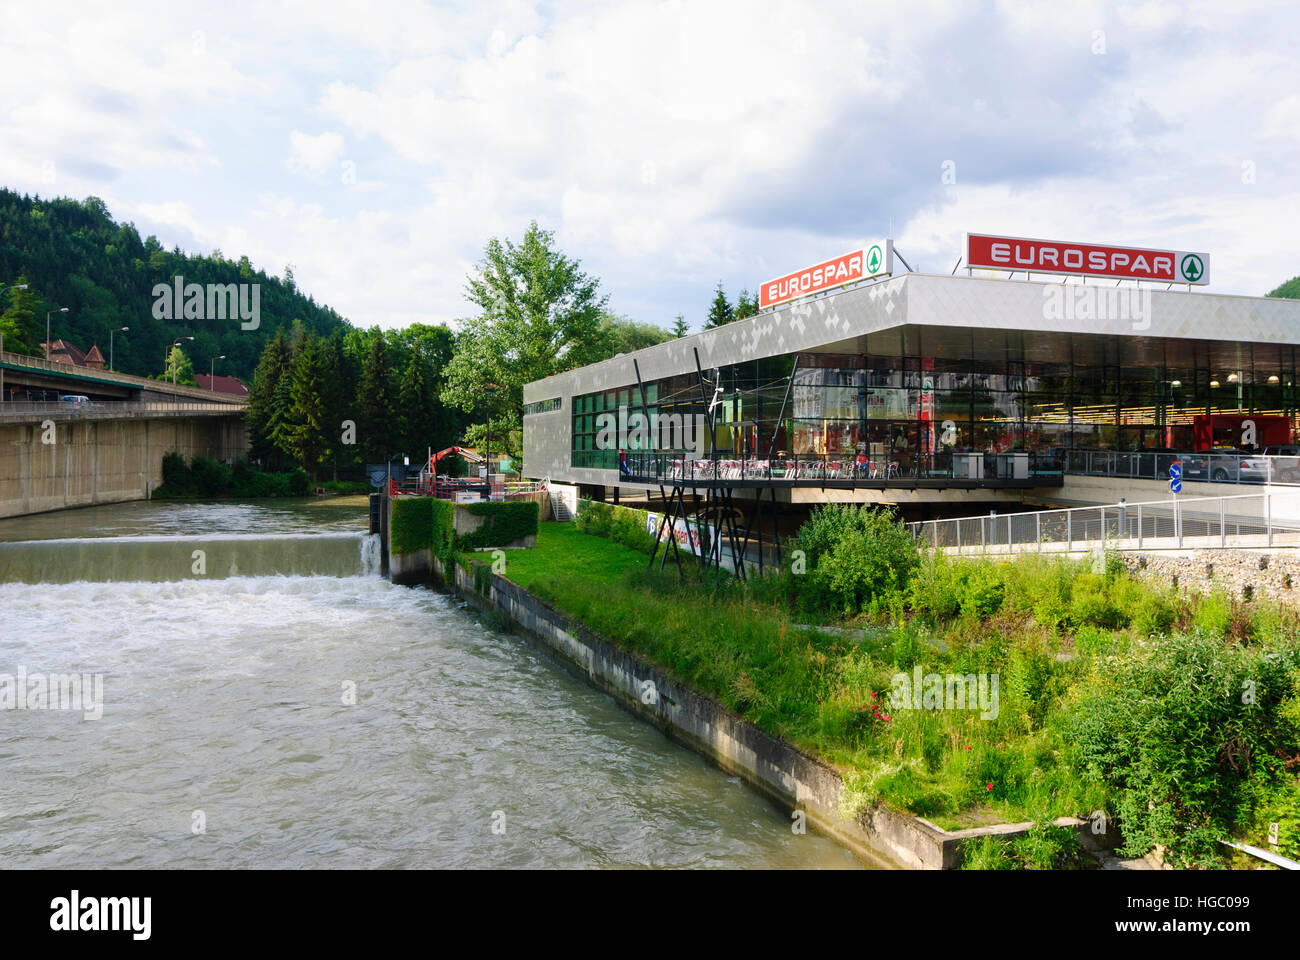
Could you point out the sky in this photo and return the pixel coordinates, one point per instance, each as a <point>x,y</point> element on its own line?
<point>376,146</point>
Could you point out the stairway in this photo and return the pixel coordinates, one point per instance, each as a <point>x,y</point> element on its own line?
<point>559,509</point>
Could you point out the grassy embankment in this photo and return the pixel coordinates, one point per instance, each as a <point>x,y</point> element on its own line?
<point>1178,717</point>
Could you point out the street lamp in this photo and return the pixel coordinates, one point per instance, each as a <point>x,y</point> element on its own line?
<point>47,328</point>
<point>489,391</point>
<point>212,384</point>
<point>110,343</point>
<point>168,354</point>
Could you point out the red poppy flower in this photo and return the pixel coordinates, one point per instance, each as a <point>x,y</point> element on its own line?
<point>990,786</point>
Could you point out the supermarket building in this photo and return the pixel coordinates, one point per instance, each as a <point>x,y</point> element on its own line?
<point>945,392</point>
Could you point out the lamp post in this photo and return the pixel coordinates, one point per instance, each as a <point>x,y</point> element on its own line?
<point>167,357</point>
<point>489,391</point>
<point>47,328</point>
<point>110,343</point>
<point>212,384</point>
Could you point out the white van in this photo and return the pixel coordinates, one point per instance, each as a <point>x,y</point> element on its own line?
<point>74,400</point>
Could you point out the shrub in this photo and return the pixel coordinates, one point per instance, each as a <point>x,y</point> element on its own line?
<point>503,523</point>
<point>858,557</point>
<point>442,528</point>
<point>1154,615</point>
<point>1213,615</point>
<point>982,592</point>
<point>936,588</point>
<point>411,526</point>
<point>1046,846</point>
<point>988,852</point>
<point>620,524</point>
<point>1094,600</point>
<point>1177,742</point>
<point>211,477</point>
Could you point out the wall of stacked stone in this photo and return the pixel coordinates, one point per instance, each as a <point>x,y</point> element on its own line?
<point>1243,574</point>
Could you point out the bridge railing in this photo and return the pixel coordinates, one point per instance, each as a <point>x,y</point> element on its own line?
<point>19,409</point>
<point>1265,519</point>
<point>111,376</point>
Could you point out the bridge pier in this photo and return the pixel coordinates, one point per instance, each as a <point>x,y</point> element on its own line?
<point>62,461</point>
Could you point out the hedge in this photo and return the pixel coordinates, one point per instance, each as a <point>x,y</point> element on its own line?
<point>621,524</point>
<point>211,479</point>
<point>442,529</point>
<point>412,524</point>
<point>504,523</point>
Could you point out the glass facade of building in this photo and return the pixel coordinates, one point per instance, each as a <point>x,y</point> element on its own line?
<point>951,390</point>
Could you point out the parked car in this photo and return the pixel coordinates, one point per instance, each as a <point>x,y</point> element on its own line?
<point>76,401</point>
<point>1286,462</point>
<point>1222,465</point>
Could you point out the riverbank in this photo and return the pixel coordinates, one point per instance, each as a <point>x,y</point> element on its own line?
<point>821,692</point>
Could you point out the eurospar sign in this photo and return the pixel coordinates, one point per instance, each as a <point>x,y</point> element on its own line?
<point>1086,259</point>
<point>873,260</point>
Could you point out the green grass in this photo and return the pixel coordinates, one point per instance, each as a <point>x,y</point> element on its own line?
<point>564,552</point>
<point>1087,661</point>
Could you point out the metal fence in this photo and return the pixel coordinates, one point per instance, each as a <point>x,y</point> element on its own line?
<point>1207,466</point>
<point>18,409</point>
<point>661,467</point>
<point>1266,519</point>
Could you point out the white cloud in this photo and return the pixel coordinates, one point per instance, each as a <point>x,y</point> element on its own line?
<point>316,154</point>
<point>669,144</point>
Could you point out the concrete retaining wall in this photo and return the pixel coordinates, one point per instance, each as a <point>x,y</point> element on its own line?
<point>785,774</point>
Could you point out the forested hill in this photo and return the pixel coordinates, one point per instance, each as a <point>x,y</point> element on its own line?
<point>73,254</point>
<point>1289,289</point>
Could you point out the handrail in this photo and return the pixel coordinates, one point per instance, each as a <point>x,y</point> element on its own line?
<point>112,376</point>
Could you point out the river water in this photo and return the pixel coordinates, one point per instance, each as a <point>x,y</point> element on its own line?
<point>282,705</point>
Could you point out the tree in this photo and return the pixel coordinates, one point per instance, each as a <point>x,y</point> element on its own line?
<point>340,400</point>
<point>720,311</point>
<point>538,314</point>
<point>627,335</point>
<point>179,368</point>
<point>375,426</point>
<point>746,306</point>
<point>19,323</point>
<point>262,416</point>
<point>416,404</point>
<point>301,433</point>
<point>680,329</point>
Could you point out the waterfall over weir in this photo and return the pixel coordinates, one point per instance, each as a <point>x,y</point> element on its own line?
<point>174,558</point>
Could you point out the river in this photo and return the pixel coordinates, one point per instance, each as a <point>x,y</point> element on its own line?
<point>279,704</point>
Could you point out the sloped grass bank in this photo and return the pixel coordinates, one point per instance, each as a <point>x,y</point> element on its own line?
<point>1179,719</point>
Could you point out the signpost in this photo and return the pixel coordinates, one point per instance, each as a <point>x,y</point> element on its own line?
<point>1175,488</point>
<point>873,260</point>
<point>1086,259</point>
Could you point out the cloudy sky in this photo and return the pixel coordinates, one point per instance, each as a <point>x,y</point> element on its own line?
<point>377,145</point>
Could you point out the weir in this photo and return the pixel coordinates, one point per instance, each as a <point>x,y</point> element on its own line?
<point>173,558</point>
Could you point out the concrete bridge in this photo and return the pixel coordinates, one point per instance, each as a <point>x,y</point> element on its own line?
<point>106,449</point>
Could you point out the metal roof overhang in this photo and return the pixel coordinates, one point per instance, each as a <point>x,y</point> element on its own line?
<point>983,308</point>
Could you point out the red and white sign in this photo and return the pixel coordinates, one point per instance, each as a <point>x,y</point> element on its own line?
<point>1086,259</point>
<point>875,259</point>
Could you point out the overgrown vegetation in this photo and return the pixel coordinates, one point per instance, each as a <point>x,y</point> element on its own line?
<point>211,479</point>
<point>411,525</point>
<point>1179,717</point>
<point>503,523</point>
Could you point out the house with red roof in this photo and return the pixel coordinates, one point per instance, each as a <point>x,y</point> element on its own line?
<point>219,384</point>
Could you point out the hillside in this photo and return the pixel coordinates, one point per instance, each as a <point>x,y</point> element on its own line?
<point>1289,289</point>
<point>73,254</point>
